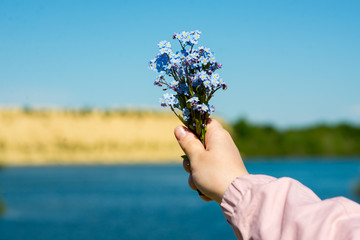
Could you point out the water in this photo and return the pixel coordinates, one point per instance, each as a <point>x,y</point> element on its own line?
<point>138,202</point>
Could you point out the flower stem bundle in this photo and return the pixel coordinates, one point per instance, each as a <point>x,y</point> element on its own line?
<point>193,79</point>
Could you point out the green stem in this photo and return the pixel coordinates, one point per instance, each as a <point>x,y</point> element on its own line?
<point>179,117</point>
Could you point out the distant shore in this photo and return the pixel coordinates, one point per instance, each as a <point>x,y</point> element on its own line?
<point>89,136</point>
<point>59,137</point>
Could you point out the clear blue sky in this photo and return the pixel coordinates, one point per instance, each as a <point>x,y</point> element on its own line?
<point>289,63</point>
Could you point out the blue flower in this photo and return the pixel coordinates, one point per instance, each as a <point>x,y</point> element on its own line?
<point>162,102</point>
<point>221,82</point>
<point>173,84</point>
<point>212,59</point>
<point>192,56</point>
<point>186,114</point>
<point>167,95</point>
<point>203,76</point>
<point>162,44</point>
<point>169,100</point>
<point>184,53</point>
<point>215,76</point>
<point>207,84</point>
<point>203,108</point>
<point>183,37</point>
<point>195,36</point>
<point>204,60</point>
<point>164,50</point>
<point>188,38</point>
<point>211,109</point>
<point>152,64</point>
<point>193,100</point>
<point>215,79</point>
<point>158,80</point>
<point>184,89</point>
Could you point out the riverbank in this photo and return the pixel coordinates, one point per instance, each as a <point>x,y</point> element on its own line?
<point>47,137</point>
<point>89,136</point>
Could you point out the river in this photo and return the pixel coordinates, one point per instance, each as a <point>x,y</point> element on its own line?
<point>140,201</point>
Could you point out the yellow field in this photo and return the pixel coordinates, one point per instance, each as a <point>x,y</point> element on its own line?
<point>33,137</point>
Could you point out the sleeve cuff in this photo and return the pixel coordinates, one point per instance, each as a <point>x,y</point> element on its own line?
<point>234,194</point>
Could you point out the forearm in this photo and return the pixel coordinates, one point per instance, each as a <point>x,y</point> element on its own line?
<point>263,207</point>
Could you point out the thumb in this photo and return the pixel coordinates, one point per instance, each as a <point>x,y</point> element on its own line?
<point>189,143</point>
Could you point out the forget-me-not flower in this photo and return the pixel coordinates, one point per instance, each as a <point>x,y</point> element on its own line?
<point>194,80</point>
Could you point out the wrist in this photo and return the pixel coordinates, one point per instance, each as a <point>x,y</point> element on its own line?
<point>227,184</point>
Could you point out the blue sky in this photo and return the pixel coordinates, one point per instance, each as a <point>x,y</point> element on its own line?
<point>289,63</point>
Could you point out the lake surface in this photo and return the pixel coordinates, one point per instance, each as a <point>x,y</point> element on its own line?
<point>140,201</point>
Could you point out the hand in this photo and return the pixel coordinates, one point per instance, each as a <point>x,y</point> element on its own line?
<point>212,169</point>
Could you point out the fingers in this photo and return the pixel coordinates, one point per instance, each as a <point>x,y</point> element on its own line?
<point>216,135</point>
<point>193,187</point>
<point>191,183</point>
<point>213,124</point>
<point>205,198</point>
<point>189,143</point>
<point>192,146</point>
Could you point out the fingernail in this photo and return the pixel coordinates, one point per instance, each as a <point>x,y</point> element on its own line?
<point>180,133</point>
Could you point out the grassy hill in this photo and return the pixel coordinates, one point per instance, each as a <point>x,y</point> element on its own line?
<point>86,136</point>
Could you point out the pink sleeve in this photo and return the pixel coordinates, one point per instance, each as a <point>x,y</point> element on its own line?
<point>263,207</point>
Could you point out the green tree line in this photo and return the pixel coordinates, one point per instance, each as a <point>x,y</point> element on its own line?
<point>319,140</point>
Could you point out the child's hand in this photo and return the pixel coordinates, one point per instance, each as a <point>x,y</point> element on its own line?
<point>212,169</point>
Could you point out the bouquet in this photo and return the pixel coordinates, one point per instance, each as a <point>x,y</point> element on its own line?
<point>193,80</point>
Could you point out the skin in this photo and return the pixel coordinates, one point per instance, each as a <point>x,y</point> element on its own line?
<point>211,169</point>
